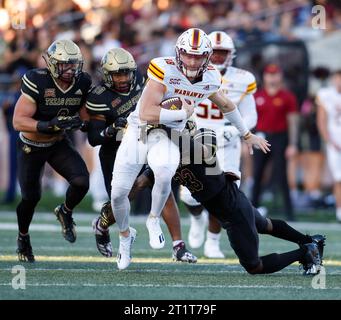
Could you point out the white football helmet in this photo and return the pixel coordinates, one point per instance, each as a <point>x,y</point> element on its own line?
<point>194,41</point>
<point>222,41</point>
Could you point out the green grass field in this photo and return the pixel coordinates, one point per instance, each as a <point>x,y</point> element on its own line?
<point>77,271</point>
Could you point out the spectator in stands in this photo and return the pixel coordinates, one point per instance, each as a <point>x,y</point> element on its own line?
<point>278,122</point>
<point>8,109</point>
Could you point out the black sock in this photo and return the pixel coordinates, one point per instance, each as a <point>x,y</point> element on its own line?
<point>280,229</point>
<point>65,209</point>
<point>25,211</point>
<point>275,262</point>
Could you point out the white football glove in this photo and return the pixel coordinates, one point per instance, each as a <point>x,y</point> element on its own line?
<point>191,126</point>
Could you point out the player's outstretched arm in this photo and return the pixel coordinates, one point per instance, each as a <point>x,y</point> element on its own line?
<point>231,113</point>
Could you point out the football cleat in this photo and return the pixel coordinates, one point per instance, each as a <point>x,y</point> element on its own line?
<point>103,242</point>
<point>320,240</point>
<point>196,235</point>
<point>180,253</point>
<point>312,261</point>
<point>67,223</point>
<point>212,249</point>
<point>124,250</point>
<point>24,250</point>
<point>156,237</point>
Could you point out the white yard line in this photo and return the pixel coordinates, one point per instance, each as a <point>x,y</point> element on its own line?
<point>140,219</point>
<point>151,285</point>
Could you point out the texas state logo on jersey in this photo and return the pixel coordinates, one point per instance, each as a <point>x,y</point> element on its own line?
<point>165,71</point>
<point>236,84</point>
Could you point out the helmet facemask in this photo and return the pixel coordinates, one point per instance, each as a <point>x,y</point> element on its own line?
<point>190,68</point>
<point>193,52</point>
<point>122,80</point>
<point>222,58</point>
<point>64,60</point>
<point>119,70</point>
<point>67,71</point>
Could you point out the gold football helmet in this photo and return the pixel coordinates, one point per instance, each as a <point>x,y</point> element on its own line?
<point>119,70</point>
<point>64,60</point>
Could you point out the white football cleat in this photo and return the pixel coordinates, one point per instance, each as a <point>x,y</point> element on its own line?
<point>124,250</point>
<point>156,237</point>
<point>196,235</point>
<point>212,249</point>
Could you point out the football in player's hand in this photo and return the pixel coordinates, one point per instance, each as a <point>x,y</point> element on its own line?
<point>173,103</point>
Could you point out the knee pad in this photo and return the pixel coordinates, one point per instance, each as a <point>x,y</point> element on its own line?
<point>118,194</point>
<point>163,175</point>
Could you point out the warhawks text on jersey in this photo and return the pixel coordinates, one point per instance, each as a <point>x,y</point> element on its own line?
<point>165,71</point>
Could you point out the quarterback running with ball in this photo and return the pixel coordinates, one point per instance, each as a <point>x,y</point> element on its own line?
<point>189,76</point>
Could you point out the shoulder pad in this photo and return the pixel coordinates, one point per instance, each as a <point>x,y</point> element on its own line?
<point>31,83</point>
<point>156,70</point>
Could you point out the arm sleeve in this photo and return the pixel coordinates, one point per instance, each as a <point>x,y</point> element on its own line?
<point>247,108</point>
<point>29,86</point>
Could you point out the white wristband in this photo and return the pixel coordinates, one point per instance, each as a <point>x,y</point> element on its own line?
<point>167,116</point>
<point>236,119</point>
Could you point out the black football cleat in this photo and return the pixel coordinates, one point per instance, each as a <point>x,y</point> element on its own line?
<point>180,253</point>
<point>24,250</point>
<point>67,223</point>
<point>103,242</point>
<point>320,240</point>
<point>312,261</point>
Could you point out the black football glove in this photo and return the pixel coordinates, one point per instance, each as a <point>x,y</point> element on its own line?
<point>119,124</point>
<point>57,124</point>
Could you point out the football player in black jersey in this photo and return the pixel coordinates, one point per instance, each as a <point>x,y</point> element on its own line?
<point>52,102</point>
<point>108,105</point>
<point>220,195</point>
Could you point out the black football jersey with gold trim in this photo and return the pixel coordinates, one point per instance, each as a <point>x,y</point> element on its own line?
<point>112,104</point>
<point>51,100</point>
<point>202,180</point>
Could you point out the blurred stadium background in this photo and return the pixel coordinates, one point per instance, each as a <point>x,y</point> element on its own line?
<point>264,31</point>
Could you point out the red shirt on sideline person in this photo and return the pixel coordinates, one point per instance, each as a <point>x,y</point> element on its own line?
<point>274,104</point>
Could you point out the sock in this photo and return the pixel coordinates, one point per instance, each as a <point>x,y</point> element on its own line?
<point>176,243</point>
<point>65,209</point>
<point>213,236</point>
<point>101,228</point>
<point>275,262</point>
<point>280,229</point>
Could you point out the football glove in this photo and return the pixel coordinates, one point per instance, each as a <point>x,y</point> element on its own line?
<point>191,126</point>
<point>119,124</point>
<point>59,123</point>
